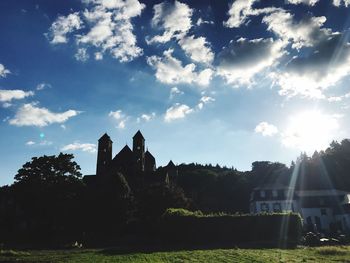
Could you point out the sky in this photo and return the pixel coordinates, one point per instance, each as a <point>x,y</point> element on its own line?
<point>220,82</point>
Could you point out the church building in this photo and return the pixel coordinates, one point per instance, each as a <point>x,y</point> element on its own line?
<point>126,161</point>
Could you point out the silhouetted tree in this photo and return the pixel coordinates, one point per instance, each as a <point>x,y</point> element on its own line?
<point>48,194</point>
<point>49,170</point>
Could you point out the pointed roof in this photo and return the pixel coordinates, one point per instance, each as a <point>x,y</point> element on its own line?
<point>126,149</point>
<point>124,156</point>
<point>105,137</point>
<point>138,135</point>
<point>171,164</point>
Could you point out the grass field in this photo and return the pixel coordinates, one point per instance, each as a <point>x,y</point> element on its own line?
<point>321,254</point>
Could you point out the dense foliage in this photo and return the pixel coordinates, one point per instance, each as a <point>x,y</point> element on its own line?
<point>50,202</point>
<point>183,226</point>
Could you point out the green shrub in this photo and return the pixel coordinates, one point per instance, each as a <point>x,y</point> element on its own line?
<point>177,212</point>
<point>331,251</point>
<point>180,225</point>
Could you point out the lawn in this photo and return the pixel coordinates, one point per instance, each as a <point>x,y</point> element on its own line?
<point>321,254</point>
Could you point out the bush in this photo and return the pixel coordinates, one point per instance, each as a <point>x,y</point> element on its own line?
<point>180,225</point>
<point>311,239</point>
<point>177,212</point>
<point>331,251</point>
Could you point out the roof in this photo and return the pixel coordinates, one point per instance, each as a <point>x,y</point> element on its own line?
<point>138,135</point>
<point>276,186</point>
<point>325,192</point>
<point>105,137</point>
<point>149,155</point>
<point>171,164</point>
<point>124,158</point>
<point>126,150</point>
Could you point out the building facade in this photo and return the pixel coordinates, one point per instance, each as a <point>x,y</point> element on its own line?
<point>326,210</point>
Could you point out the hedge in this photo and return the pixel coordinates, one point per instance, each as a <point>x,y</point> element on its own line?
<point>278,229</point>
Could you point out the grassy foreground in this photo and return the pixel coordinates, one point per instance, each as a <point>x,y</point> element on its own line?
<point>321,254</point>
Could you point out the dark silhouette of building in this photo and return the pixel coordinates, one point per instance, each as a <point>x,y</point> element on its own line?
<point>136,165</point>
<point>104,154</point>
<point>126,161</point>
<point>138,148</point>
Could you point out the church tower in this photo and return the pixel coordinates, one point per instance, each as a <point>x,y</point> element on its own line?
<point>104,154</point>
<point>138,148</point>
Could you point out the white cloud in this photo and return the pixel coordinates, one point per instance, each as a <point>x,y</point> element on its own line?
<point>112,28</point>
<point>204,100</point>
<point>175,91</point>
<point>3,71</point>
<point>98,56</point>
<point>62,26</point>
<point>30,143</point>
<point>338,98</point>
<point>304,33</point>
<point>9,95</point>
<point>322,68</point>
<point>43,85</point>
<point>121,124</point>
<point>81,55</point>
<point>338,3</point>
<point>148,117</point>
<point>174,19</point>
<point>120,117</point>
<point>306,2</point>
<point>200,21</point>
<point>169,70</point>
<point>178,111</point>
<point>243,59</point>
<point>85,147</point>
<point>241,10</point>
<point>31,115</point>
<point>266,129</point>
<point>6,105</point>
<point>197,49</point>
<point>109,28</point>
<point>116,114</point>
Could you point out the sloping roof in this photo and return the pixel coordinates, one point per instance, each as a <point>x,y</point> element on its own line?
<point>171,164</point>
<point>275,186</point>
<point>105,137</point>
<point>138,135</point>
<point>149,155</point>
<point>125,153</point>
<point>324,192</point>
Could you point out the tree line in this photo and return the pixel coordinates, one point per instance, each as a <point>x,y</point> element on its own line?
<point>50,203</point>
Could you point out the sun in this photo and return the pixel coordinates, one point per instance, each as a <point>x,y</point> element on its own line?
<point>310,130</point>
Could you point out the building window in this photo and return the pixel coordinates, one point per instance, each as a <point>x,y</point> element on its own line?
<point>277,207</point>
<point>322,201</point>
<point>281,194</point>
<point>262,194</point>
<point>323,211</point>
<point>274,193</point>
<point>264,207</point>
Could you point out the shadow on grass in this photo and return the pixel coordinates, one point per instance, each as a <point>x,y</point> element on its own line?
<point>123,250</point>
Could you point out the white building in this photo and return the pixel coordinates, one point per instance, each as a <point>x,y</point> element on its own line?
<point>321,210</point>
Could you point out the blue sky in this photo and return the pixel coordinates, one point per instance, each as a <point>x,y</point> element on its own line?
<point>227,82</point>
